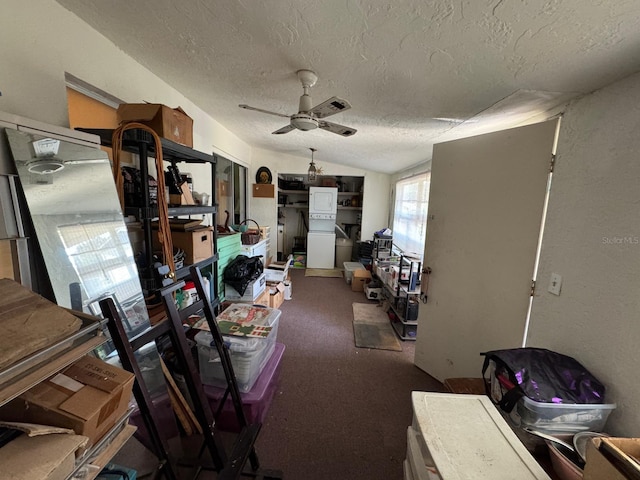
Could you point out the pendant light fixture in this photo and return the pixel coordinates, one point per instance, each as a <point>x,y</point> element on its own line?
<point>312,168</point>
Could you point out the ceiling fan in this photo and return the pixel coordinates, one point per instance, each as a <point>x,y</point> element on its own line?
<point>308,117</point>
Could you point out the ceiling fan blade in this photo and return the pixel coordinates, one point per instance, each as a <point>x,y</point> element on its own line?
<point>285,129</point>
<point>263,111</point>
<point>335,128</point>
<point>330,107</point>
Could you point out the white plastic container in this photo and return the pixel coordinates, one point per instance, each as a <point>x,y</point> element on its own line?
<point>248,355</point>
<point>349,268</point>
<point>251,294</point>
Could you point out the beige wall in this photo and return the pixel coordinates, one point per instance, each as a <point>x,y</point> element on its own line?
<point>592,239</point>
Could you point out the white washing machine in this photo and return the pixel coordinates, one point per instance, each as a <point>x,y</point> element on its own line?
<point>321,249</point>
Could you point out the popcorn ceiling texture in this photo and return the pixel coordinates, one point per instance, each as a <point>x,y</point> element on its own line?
<point>402,65</point>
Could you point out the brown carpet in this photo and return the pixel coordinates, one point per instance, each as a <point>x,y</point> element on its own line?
<point>339,412</point>
<point>371,328</point>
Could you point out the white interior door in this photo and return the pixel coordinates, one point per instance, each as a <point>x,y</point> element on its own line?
<point>485,211</point>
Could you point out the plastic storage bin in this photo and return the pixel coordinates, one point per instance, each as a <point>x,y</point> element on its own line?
<point>255,402</point>
<point>552,418</point>
<point>561,418</point>
<point>248,355</point>
<point>349,268</point>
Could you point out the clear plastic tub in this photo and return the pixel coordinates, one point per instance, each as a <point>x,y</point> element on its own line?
<point>552,418</point>
<point>349,268</point>
<point>248,355</point>
<point>562,418</point>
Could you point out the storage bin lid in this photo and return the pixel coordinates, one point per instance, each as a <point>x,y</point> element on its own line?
<point>256,315</point>
<point>350,266</point>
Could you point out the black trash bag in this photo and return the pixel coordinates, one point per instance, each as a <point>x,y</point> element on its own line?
<point>542,376</point>
<point>241,271</point>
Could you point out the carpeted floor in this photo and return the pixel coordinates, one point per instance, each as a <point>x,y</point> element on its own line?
<point>339,412</point>
<point>323,272</point>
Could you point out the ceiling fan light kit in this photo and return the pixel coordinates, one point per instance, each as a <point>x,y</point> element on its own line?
<point>308,117</point>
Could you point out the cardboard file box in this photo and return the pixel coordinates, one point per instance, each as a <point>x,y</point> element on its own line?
<point>170,123</point>
<point>197,244</point>
<point>89,397</point>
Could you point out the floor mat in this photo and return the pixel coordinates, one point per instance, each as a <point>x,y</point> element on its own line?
<point>371,328</point>
<point>323,272</point>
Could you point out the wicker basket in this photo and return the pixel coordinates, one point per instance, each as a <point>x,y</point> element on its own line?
<point>250,237</point>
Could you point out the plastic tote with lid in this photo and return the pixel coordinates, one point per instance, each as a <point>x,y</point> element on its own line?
<point>249,355</point>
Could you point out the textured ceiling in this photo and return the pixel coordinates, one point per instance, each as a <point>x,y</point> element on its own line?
<point>416,72</point>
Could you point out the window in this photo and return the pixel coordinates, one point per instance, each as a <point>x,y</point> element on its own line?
<point>410,213</point>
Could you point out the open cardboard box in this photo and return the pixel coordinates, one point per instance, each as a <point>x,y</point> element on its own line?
<point>276,294</point>
<point>608,458</point>
<point>88,397</point>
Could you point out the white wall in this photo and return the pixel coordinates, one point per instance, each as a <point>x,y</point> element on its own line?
<point>592,239</point>
<point>375,198</point>
<point>41,41</point>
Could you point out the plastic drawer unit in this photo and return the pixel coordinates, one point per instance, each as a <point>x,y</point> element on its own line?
<point>249,355</point>
<point>458,437</point>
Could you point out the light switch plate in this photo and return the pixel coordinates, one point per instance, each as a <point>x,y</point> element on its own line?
<point>555,284</point>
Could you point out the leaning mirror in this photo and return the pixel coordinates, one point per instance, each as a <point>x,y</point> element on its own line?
<point>72,200</point>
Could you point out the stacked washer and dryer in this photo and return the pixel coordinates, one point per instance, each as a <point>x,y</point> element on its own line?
<point>321,239</point>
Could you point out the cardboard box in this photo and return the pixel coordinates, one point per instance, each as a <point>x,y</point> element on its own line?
<point>89,397</point>
<point>29,322</point>
<point>601,461</point>
<point>360,279</point>
<point>45,457</point>
<point>170,123</point>
<point>197,244</point>
<point>276,294</point>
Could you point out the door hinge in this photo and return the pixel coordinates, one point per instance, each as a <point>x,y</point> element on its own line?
<point>553,163</point>
<point>533,287</point>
